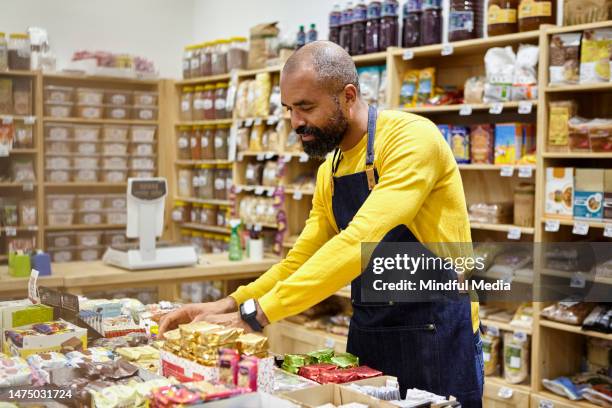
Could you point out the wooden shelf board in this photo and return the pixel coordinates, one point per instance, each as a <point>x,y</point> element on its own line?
<point>576,155</point>
<point>502,382</point>
<point>304,192</point>
<point>574,28</point>
<point>596,87</point>
<point>493,167</point>
<point>206,122</point>
<point>203,201</point>
<point>204,79</point>
<point>70,76</point>
<point>504,326</point>
<point>22,73</point>
<point>207,228</point>
<point>102,121</point>
<point>23,151</point>
<point>500,227</point>
<point>253,72</point>
<point>19,117</point>
<point>32,228</point>
<point>197,162</point>
<point>376,57</point>
<point>84,227</point>
<point>574,329</point>
<point>457,108</point>
<point>568,275</point>
<point>85,184</point>
<point>15,185</point>
<point>592,224</point>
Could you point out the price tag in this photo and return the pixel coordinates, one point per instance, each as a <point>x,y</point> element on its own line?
<point>545,404</point>
<point>269,155</point>
<point>271,120</point>
<point>7,120</point>
<point>408,55</point>
<point>525,107</point>
<point>578,280</point>
<point>270,192</point>
<point>525,171</point>
<point>607,230</point>
<point>33,287</point>
<point>496,108</point>
<point>10,231</point>
<point>248,188</point>
<point>4,150</point>
<point>447,49</point>
<point>259,190</point>
<point>466,110</point>
<point>330,343</point>
<point>506,171</point>
<point>552,226</point>
<point>28,186</point>
<point>32,228</point>
<point>514,233</point>
<point>240,156</point>
<point>287,157</point>
<point>520,336</point>
<point>248,122</point>
<point>493,331</point>
<point>297,195</point>
<point>258,121</point>
<point>303,157</point>
<point>580,228</point>
<point>238,189</point>
<point>260,156</point>
<point>239,123</point>
<point>505,392</point>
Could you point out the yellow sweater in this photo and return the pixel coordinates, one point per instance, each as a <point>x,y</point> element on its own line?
<point>416,168</point>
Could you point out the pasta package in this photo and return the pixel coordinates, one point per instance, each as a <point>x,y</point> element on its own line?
<point>490,353</point>
<point>408,91</point>
<point>261,97</point>
<point>516,357</point>
<point>595,56</point>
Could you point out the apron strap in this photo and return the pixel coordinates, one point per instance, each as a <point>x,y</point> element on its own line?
<point>370,149</point>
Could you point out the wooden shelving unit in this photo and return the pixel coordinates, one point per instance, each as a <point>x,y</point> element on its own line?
<point>102,121</point>
<point>507,106</point>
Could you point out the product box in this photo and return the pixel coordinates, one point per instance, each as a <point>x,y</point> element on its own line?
<point>250,400</point>
<point>607,194</point>
<point>22,315</point>
<point>529,140</point>
<point>460,143</point>
<point>332,394</point>
<point>481,144</point>
<point>559,199</point>
<point>446,132</point>
<point>73,339</point>
<point>508,142</point>
<point>589,194</point>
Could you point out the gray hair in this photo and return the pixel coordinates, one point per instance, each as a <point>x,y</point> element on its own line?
<point>333,66</point>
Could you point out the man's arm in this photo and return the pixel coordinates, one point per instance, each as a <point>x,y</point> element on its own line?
<point>410,167</point>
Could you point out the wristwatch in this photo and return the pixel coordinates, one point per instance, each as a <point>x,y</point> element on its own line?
<point>248,313</point>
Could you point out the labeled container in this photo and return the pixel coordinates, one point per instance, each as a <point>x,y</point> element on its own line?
<point>115,202</point>
<point>87,147</point>
<point>219,57</point>
<point>60,239</point>
<point>118,217</point>
<point>86,162</point>
<point>194,61</point>
<point>114,175</point>
<point>117,112</point>
<point>86,133</point>
<point>194,215</point>
<point>19,52</point>
<point>89,111</point>
<point>142,163</point>
<point>58,175</point>
<point>58,162</point>
<point>502,17</point>
<point>90,202</point>
<point>144,112</point>
<point>115,148</point>
<point>195,143</point>
<point>183,143</point>
<point>145,98</point>
<point>142,173</point>
<point>209,102</point>
<point>524,203</point>
<point>60,202</point>
<point>89,96</point>
<point>221,142</point>
<point>187,52</point>
<point>206,59</point>
<point>113,238</point>
<point>58,109</point>
<point>185,182</point>
<point>142,134</point>
<point>91,217</point>
<point>220,101</point>
<point>115,133</point>
<point>111,163</point>
<point>533,13</point>
<point>85,175</point>
<point>237,53</point>
<point>60,218</point>
<point>180,212</point>
<point>88,254</point>
<point>59,132</point>
<point>208,215</point>
<point>431,22</point>
<point>3,53</point>
<point>89,238</point>
<point>61,254</point>
<point>118,97</point>
<point>203,181</point>
<point>24,136</point>
<point>142,149</point>
<point>185,108</point>
<point>198,112</point>
<point>207,143</point>
<point>222,174</point>
<point>54,93</point>
<point>63,147</point>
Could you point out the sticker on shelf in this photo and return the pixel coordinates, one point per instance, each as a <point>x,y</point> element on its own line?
<point>578,280</point>
<point>32,228</point>
<point>4,150</point>
<point>408,55</point>
<point>304,157</point>
<point>297,195</point>
<point>257,121</point>
<point>546,404</point>
<point>607,230</point>
<point>493,331</point>
<point>272,120</point>
<point>287,157</point>
<point>7,120</point>
<point>514,233</point>
<point>329,343</point>
<point>580,228</point>
<point>525,171</point>
<point>447,49</point>
<point>240,156</point>
<point>505,392</point>
<point>260,156</point>
<point>552,226</point>
<point>270,192</point>
<point>10,231</point>
<point>29,120</point>
<point>239,122</point>
<point>238,189</point>
<point>525,107</point>
<point>506,171</point>
<point>466,110</point>
<point>269,155</point>
<point>496,108</point>
<point>259,190</point>
<point>520,336</point>
<point>248,122</point>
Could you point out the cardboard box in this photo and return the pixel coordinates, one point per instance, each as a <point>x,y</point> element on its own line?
<point>22,315</point>
<point>333,394</point>
<point>252,400</point>
<point>41,344</point>
<point>508,142</point>
<point>589,194</point>
<point>559,199</point>
<point>607,194</point>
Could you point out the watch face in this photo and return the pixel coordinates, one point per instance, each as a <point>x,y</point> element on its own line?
<point>249,307</point>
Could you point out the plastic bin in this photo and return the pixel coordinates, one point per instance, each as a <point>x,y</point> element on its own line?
<point>118,217</point>
<point>114,162</point>
<point>145,112</point>
<point>117,97</point>
<point>117,112</point>
<point>86,133</point>
<point>86,162</point>
<point>115,176</point>
<point>61,254</point>
<point>56,162</point>
<point>60,239</point>
<point>86,176</point>
<point>87,148</point>
<point>54,93</point>
<point>57,131</point>
<point>60,218</point>
<point>58,147</point>
<point>58,175</point>
<point>58,109</point>
<point>89,111</point>
<point>88,254</point>
<point>60,202</point>
<point>142,149</point>
<point>91,217</point>
<point>143,134</point>
<point>145,98</point>
<point>115,133</point>
<point>117,148</point>
<point>90,202</point>
<point>89,96</point>
<point>142,173</point>
<point>115,237</point>
<point>115,201</point>
<point>142,163</point>
<point>89,238</point>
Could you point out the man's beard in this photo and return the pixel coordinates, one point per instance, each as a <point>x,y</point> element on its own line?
<point>326,139</point>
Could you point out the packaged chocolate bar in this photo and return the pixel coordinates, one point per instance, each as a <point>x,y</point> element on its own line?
<point>228,366</point>
<point>115,396</point>
<point>252,344</point>
<point>138,353</point>
<point>345,360</point>
<point>220,336</point>
<point>313,371</point>
<point>293,362</point>
<point>366,372</point>
<point>322,356</point>
<point>92,354</point>
<point>174,395</point>
<point>247,373</point>
<point>14,371</point>
<point>47,361</point>
<point>337,376</point>
<point>50,327</point>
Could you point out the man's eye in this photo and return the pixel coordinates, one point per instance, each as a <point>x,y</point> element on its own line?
<point>307,108</point>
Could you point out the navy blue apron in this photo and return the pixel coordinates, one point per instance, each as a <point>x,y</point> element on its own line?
<point>426,345</point>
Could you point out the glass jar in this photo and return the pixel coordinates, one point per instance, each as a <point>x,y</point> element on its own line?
<point>219,57</point>
<point>194,62</point>
<point>411,34</point>
<point>198,112</point>
<point>205,182</point>
<point>208,143</point>
<point>221,175</point>
<point>229,180</point>
<point>222,217</point>
<point>206,60</point>
<point>461,21</point>
<point>197,239</point>
<point>195,143</point>
<point>238,53</point>
<point>533,13</point>
<point>185,236</point>
<point>19,52</point>
<point>183,143</point>
<point>221,142</point>
<point>524,202</point>
<point>502,17</point>
<point>3,53</point>
<point>186,104</point>
<point>187,52</point>
<point>194,214</point>
<point>180,212</point>
<point>209,102</point>
<point>220,99</point>
<point>185,183</point>
<point>208,216</point>
<point>431,22</point>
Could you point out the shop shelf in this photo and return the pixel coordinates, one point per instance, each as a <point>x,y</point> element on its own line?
<point>102,121</point>
<point>20,228</point>
<point>568,275</point>
<point>208,228</point>
<point>576,155</point>
<point>501,227</point>
<point>206,122</point>
<point>592,224</point>
<point>9,184</point>
<point>71,77</point>
<point>19,73</point>
<point>85,184</point>
<point>494,167</point>
<point>502,382</point>
<point>23,151</point>
<point>504,326</point>
<point>574,329</point>
<point>203,201</point>
<point>197,162</point>
<point>373,58</point>
<point>253,72</point>
<point>308,192</point>
<point>595,87</point>
<point>204,79</point>
<point>574,28</point>
<point>456,108</point>
<point>84,227</point>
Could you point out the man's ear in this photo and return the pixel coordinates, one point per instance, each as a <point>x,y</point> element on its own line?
<point>351,94</point>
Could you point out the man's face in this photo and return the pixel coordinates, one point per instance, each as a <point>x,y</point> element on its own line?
<point>316,115</point>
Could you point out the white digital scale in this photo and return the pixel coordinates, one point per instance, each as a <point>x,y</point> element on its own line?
<point>145,221</point>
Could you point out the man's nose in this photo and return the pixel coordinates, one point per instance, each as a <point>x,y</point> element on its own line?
<point>296,120</point>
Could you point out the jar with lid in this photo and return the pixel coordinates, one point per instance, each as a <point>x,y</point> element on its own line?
<point>411,27</point>
<point>533,13</point>
<point>207,143</point>
<point>19,52</point>
<point>187,52</point>
<point>431,22</point>
<point>195,143</point>
<point>186,103</point>
<point>237,55</point>
<point>181,212</point>
<point>220,99</point>
<point>209,102</point>
<point>524,203</point>
<point>461,20</point>
<point>221,217</point>
<point>185,182</point>
<point>219,57</point>
<point>185,236</point>
<point>205,182</point>
<point>208,216</point>
<point>197,112</point>
<point>221,175</point>
<point>229,180</point>
<point>194,62</point>
<point>197,239</point>
<point>205,60</point>
<point>221,139</point>
<point>194,214</point>
<point>502,17</point>
<point>183,143</point>
<point>4,66</point>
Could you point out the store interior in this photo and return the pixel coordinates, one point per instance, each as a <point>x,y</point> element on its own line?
<point>186,96</point>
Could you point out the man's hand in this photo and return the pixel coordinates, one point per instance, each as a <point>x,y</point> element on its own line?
<point>196,312</point>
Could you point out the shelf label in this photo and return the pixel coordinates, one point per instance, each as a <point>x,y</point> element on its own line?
<point>4,150</point>
<point>270,192</point>
<point>7,120</point>
<point>580,228</point>
<point>32,228</point>
<point>260,156</point>
<point>248,122</point>
<point>496,108</point>
<point>258,122</point>
<point>297,195</point>
<point>269,155</point>
<point>287,157</point>
<point>10,231</point>
<point>466,110</point>
<point>408,55</point>
<point>239,122</point>
<point>607,230</point>
<point>514,233</point>
<point>33,287</point>
<point>578,280</point>
<point>552,226</point>
<point>329,343</point>
<point>259,190</point>
<point>240,156</point>
<point>505,392</point>
<point>447,49</point>
<point>520,336</point>
<point>29,120</point>
<point>238,189</point>
<point>545,404</point>
<point>525,171</point>
<point>525,107</point>
<point>506,171</point>
<point>493,331</point>
<point>304,157</point>
<point>272,120</point>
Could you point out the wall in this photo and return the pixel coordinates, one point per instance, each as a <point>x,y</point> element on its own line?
<point>156,29</point>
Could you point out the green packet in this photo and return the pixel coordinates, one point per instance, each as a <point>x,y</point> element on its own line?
<point>298,360</point>
<point>322,356</point>
<point>345,360</point>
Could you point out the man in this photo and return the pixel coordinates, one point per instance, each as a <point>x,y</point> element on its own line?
<point>392,177</point>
